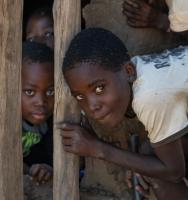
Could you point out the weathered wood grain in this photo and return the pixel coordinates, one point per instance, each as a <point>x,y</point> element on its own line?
<point>66,166</point>
<point>11,169</point>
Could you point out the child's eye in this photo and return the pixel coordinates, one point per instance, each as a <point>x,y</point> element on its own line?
<point>49,34</point>
<point>31,39</point>
<point>99,89</point>
<point>50,92</point>
<point>79,97</point>
<point>29,92</point>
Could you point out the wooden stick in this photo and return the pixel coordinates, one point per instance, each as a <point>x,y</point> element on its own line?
<point>11,159</point>
<point>67,16</point>
<point>134,143</point>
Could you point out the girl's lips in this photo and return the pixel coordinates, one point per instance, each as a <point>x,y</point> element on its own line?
<point>100,118</point>
<point>39,116</point>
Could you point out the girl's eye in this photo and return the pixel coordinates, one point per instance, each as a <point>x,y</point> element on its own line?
<point>31,39</point>
<point>49,34</point>
<point>50,93</point>
<point>99,89</point>
<point>29,92</point>
<point>79,97</point>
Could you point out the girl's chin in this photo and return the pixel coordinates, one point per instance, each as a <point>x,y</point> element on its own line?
<point>38,121</point>
<point>111,124</point>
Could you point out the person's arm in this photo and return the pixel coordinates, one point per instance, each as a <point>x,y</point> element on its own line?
<point>169,163</point>
<point>142,15</point>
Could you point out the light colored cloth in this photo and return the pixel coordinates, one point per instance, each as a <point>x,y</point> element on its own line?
<point>160,94</point>
<point>178,15</point>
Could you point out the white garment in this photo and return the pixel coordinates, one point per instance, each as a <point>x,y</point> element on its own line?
<point>178,15</point>
<point>160,94</point>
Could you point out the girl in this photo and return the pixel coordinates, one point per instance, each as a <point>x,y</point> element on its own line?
<point>108,86</point>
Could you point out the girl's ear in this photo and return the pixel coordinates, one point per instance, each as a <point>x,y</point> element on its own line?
<point>130,70</point>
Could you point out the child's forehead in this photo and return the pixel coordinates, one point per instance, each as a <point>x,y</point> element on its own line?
<point>92,66</point>
<point>35,67</point>
<point>41,18</point>
<point>38,74</point>
<point>88,72</point>
<point>39,21</point>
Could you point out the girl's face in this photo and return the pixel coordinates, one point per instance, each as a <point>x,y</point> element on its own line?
<point>40,29</point>
<point>37,92</point>
<point>102,94</point>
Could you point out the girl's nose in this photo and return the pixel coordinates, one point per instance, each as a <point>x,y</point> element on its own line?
<point>40,39</point>
<point>40,100</point>
<point>93,105</point>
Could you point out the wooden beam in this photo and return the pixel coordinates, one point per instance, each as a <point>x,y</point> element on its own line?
<point>67,17</point>
<point>11,158</point>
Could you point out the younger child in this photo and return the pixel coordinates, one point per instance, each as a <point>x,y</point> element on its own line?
<point>39,27</point>
<point>108,85</point>
<point>37,109</point>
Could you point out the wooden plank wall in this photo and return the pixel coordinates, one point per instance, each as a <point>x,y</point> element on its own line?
<point>10,101</point>
<point>67,17</point>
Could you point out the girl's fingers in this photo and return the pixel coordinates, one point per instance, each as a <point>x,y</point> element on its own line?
<point>65,126</point>
<point>41,174</point>
<point>136,24</point>
<point>132,16</point>
<point>48,176</point>
<point>143,192</point>
<point>131,3</point>
<point>68,149</point>
<point>130,9</point>
<point>67,134</point>
<point>67,141</point>
<point>128,178</point>
<point>142,182</point>
<point>34,170</point>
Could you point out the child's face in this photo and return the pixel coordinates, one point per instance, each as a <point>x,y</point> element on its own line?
<point>37,92</point>
<point>102,94</point>
<point>40,29</point>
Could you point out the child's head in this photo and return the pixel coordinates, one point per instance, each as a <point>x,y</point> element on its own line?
<point>97,68</point>
<point>39,27</point>
<point>37,82</point>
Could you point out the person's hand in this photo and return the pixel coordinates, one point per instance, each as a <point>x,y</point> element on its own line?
<point>142,187</point>
<point>77,139</point>
<point>142,15</point>
<point>41,173</point>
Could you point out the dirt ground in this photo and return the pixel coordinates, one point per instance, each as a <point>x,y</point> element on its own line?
<point>36,192</point>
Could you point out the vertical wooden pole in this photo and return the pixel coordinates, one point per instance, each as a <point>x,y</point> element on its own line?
<point>11,159</point>
<point>67,16</point>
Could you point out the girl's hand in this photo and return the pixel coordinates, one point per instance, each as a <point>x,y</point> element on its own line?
<point>142,187</point>
<point>77,140</point>
<point>41,173</point>
<point>142,15</point>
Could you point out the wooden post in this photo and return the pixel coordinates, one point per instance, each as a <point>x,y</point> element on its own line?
<point>67,16</point>
<point>11,159</point>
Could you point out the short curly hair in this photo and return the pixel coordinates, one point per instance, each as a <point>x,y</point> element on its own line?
<point>36,52</point>
<point>98,46</point>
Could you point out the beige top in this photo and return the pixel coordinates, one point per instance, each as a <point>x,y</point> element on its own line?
<point>160,94</point>
<point>178,15</point>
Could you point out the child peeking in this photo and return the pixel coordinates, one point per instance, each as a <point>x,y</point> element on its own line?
<point>37,109</point>
<point>39,27</point>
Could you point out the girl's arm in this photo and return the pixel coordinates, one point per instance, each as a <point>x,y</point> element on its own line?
<point>168,164</point>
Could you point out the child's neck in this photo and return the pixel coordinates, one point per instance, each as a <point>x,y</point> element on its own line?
<point>30,124</point>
